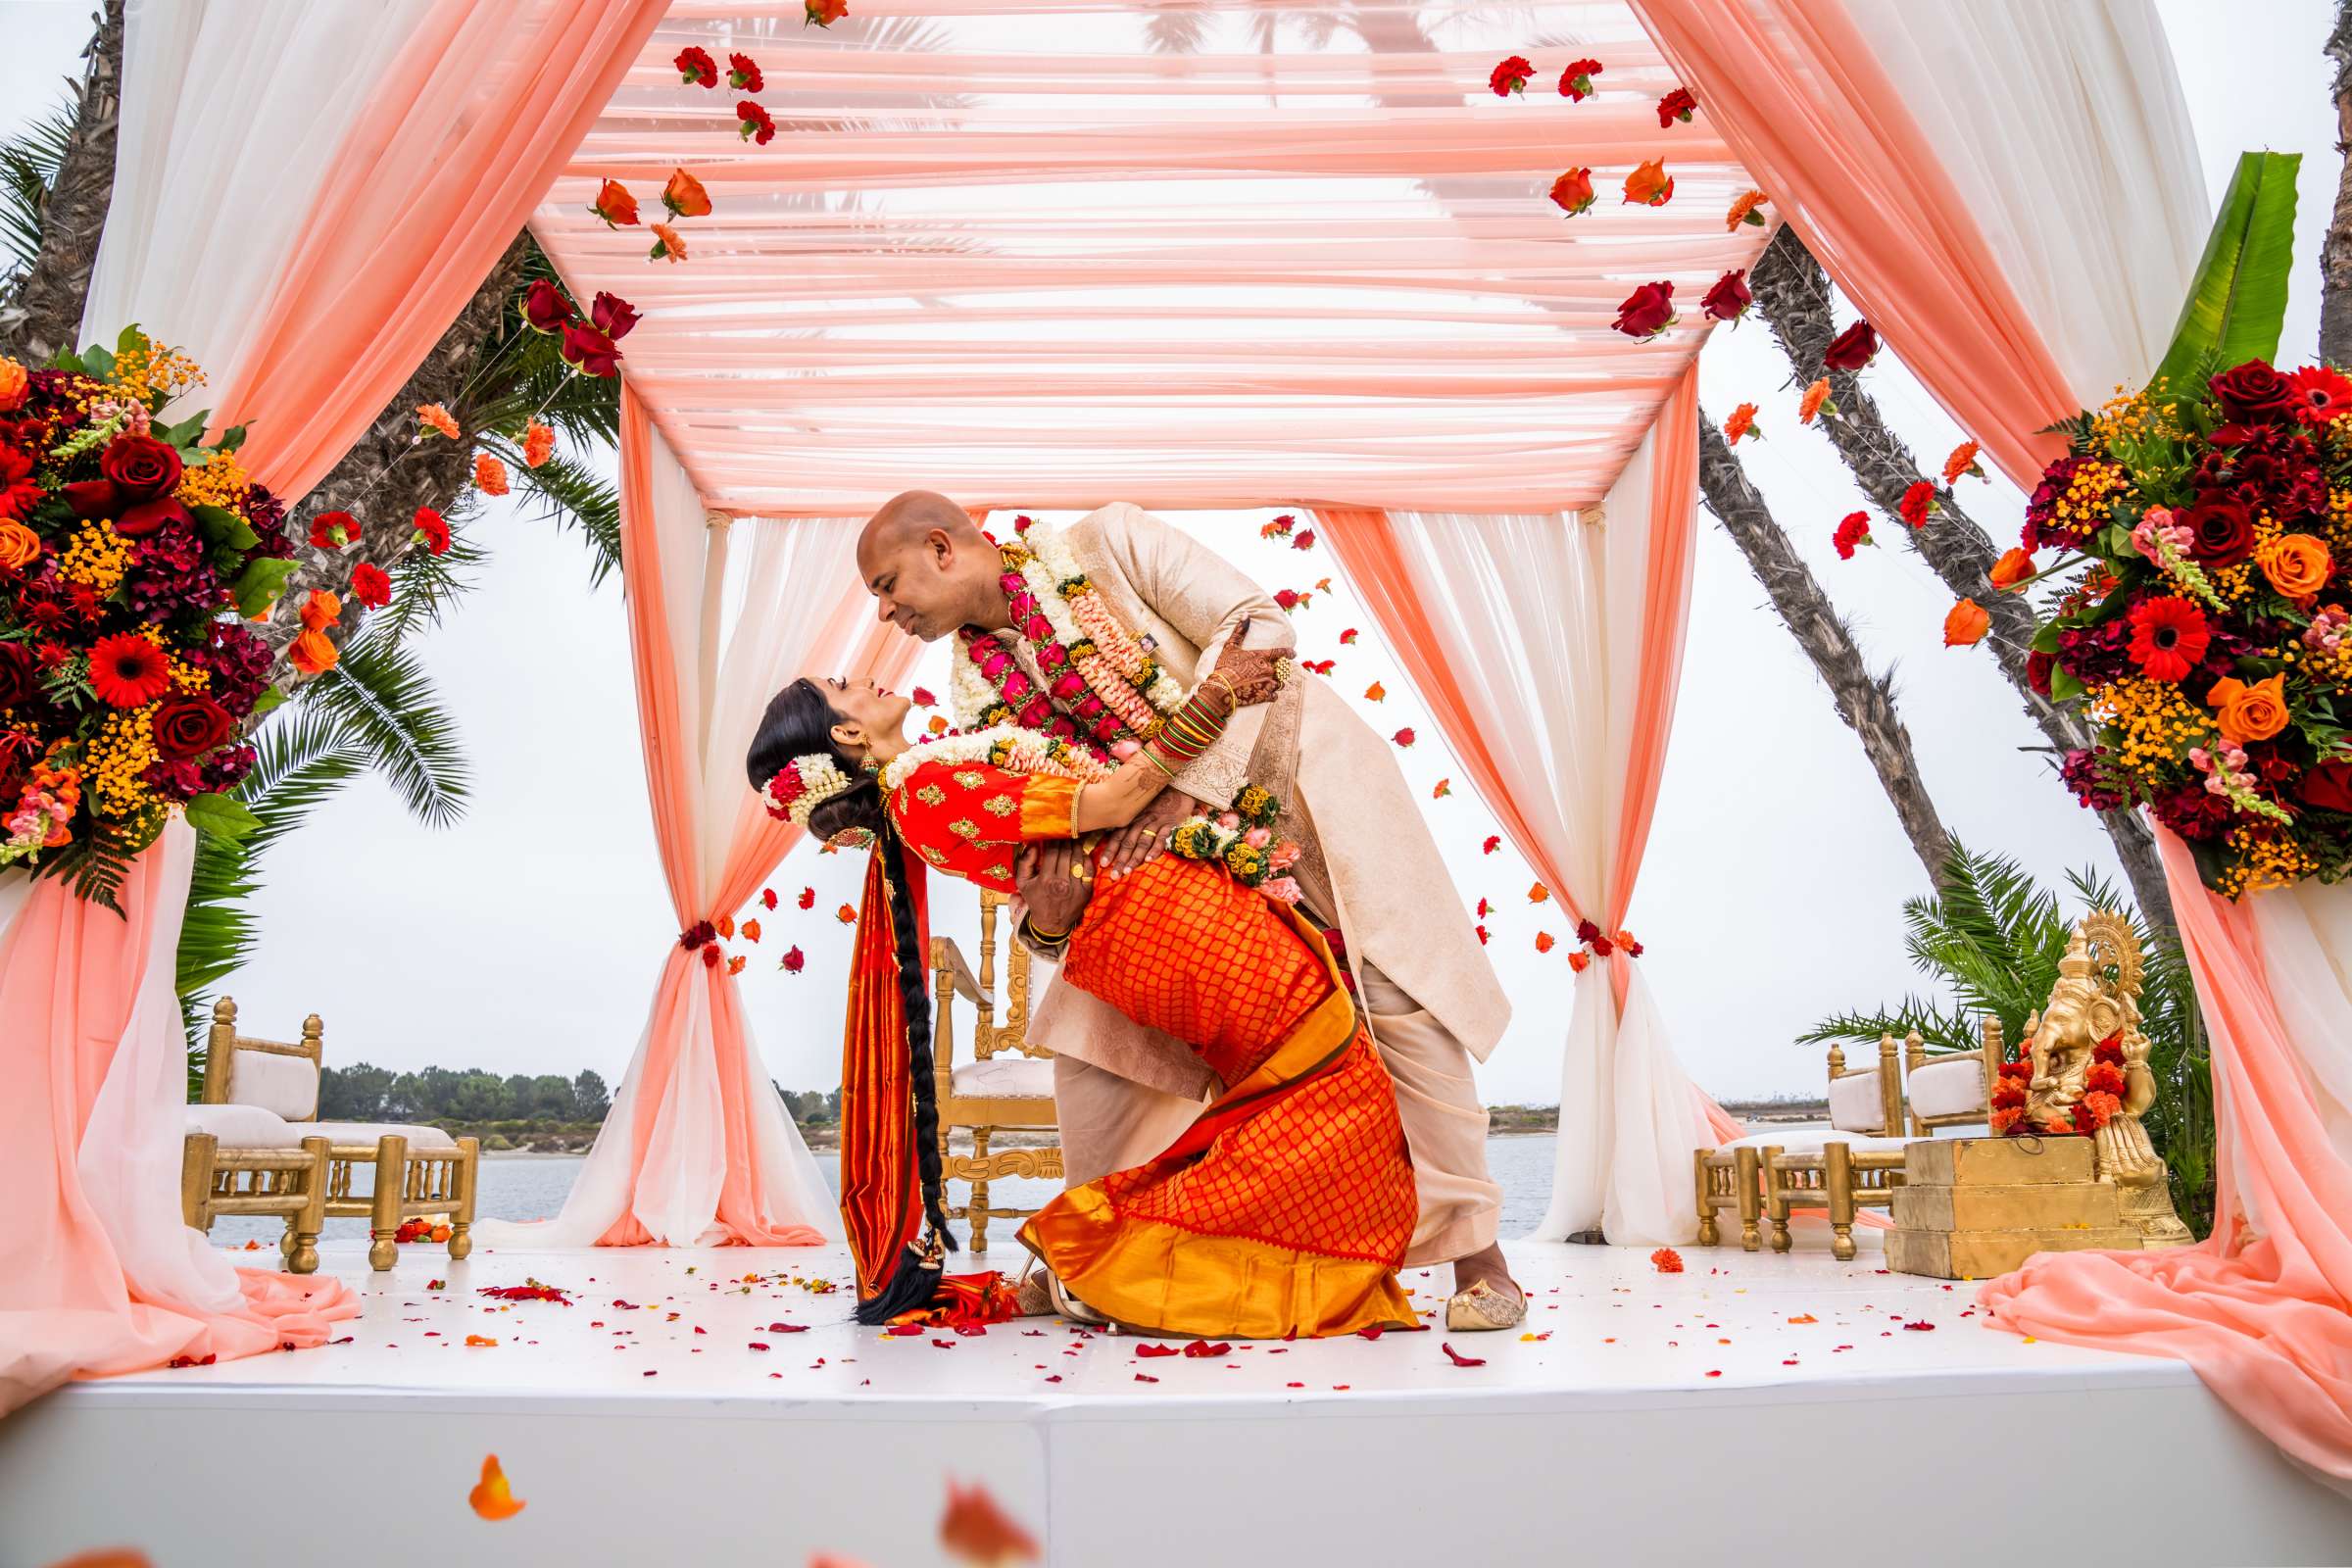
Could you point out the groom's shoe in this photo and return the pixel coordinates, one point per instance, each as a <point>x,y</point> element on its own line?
<point>1483,1308</point>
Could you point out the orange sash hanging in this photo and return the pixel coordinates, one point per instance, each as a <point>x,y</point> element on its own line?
<point>881,1195</point>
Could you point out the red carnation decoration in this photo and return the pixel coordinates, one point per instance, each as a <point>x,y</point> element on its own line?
<point>1852,348</point>
<point>1854,531</point>
<point>1511,77</point>
<point>1494,843</point>
<point>2169,637</point>
<point>371,586</point>
<point>767,898</point>
<point>1666,1260</point>
<point>430,531</point>
<point>696,68</point>
<point>334,530</point>
<point>807,898</point>
<point>1676,105</point>
<point>1576,82</point>
<point>752,124</point>
<point>1918,502</point>
<point>742,74</point>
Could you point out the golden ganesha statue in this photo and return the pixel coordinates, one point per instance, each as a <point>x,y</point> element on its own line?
<point>2090,1071</point>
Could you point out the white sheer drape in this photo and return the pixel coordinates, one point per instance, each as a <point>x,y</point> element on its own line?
<point>2062,123</point>
<point>1545,609</point>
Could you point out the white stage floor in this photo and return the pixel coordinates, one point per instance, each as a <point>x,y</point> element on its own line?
<point>708,1404</point>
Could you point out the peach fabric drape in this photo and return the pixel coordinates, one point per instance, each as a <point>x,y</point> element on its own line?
<point>1549,649</point>
<point>2263,1307</point>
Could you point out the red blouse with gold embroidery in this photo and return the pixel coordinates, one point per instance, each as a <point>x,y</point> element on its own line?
<point>968,819</point>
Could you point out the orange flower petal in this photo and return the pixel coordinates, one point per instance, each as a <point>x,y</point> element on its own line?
<point>492,1499</point>
<point>975,1530</point>
<point>1375,693</point>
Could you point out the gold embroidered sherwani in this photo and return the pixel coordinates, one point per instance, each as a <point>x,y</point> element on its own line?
<point>1370,868</point>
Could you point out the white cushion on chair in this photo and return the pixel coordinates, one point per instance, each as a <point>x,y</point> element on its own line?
<point>421,1140</point>
<point>245,1126</point>
<point>286,1085</point>
<point>1855,1105</point>
<point>1005,1077</point>
<point>1950,1086</point>
<point>1811,1141</point>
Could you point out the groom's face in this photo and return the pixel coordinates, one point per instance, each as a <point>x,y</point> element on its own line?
<point>914,583</point>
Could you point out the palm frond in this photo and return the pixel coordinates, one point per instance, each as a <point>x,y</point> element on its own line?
<point>1176,29</point>
<point>380,699</point>
<point>571,494</point>
<point>1938,1028</point>
<point>430,584</point>
<point>28,165</point>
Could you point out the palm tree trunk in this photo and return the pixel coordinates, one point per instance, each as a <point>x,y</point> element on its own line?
<point>1793,293</point>
<point>2335,251</point>
<point>1866,702</point>
<point>43,314</point>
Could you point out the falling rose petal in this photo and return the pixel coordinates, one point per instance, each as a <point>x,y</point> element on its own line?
<point>975,1530</point>
<point>492,1499</point>
<point>756,1345</point>
<point>1376,693</point>
<point>1459,1360</point>
<point>902,1330</point>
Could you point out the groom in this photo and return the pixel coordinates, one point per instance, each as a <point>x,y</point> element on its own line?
<point>1370,873</point>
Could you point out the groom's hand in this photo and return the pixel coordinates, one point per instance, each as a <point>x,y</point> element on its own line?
<point>1043,875</point>
<point>1145,839</point>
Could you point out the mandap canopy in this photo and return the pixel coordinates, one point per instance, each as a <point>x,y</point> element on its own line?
<point>1037,253</point>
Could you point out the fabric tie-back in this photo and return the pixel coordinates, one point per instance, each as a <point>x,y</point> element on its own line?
<point>2007,189</point>
<point>1549,649</point>
<point>267,153</point>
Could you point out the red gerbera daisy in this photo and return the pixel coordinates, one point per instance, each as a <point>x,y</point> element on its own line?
<point>2168,637</point>
<point>2321,394</point>
<point>127,670</point>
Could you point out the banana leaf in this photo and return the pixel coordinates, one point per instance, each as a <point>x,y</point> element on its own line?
<point>2237,298</point>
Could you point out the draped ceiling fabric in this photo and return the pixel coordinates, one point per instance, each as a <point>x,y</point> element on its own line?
<point>1050,254</point>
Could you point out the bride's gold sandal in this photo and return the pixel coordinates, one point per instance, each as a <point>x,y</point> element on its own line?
<point>1483,1310</point>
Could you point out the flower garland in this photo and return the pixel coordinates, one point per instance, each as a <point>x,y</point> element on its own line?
<point>2102,1094</point>
<point>802,785</point>
<point>1241,839</point>
<point>1010,747</point>
<point>1102,687</point>
<point>1598,944</point>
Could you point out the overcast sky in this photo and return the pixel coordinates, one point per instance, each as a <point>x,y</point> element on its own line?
<point>527,938</point>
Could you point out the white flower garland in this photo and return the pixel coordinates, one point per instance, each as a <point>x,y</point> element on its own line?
<point>1006,746</point>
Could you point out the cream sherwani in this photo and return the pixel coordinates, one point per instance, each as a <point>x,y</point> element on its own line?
<point>1434,1004</point>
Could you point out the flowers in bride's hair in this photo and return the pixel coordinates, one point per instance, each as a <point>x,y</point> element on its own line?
<point>544,308</point>
<point>538,443</point>
<point>1647,312</point>
<point>334,530</point>
<point>1404,737</point>
<point>1494,843</point>
<point>1966,624</point>
<point>1963,461</point>
<point>615,205</point>
<point>792,961</point>
<point>825,12</point>
<point>433,417</point>
<point>752,124</point>
<point>668,247</point>
<point>1729,298</point>
<point>696,68</point>
<point>430,531</point>
<point>1815,401</point>
<point>1745,209</point>
<point>1376,693</point>
<point>1511,77</point>
<point>1743,422</point>
<point>371,585</point>
<point>846,915</point>
<point>1676,105</point>
<point>1853,530</point>
<point>1649,185</point>
<point>489,475</point>
<point>684,195</point>
<point>2011,571</point>
<point>742,74</point>
<point>1572,192</point>
<point>1543,941</point>
<point>1576,82</point>
<point>1919,504</point>
<point>1852,348</point>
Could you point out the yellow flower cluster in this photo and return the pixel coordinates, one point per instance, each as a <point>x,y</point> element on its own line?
<point>122,750</point>
<point>186,677</point>
<point>2233,583</point>
<point>2266,859</point>
<point>142,373</point>
<point>220,482</point>
<point>95,555</point>
<point>2156,721</point>
<point>2339,515</point>
<point>2090,495</point>
<point>2325,669</point>
<point>2132,416</point>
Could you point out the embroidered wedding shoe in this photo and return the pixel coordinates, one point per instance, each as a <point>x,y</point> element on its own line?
<point>1482,1309</point>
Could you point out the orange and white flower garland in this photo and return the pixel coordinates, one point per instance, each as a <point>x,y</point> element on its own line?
<point>1006,746</point>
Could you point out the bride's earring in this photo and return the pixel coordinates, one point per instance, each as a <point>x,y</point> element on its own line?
<point>869,765</point>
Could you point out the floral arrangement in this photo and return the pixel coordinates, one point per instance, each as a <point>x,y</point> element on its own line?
<point>1595,943</point>
<point>802,785</point>
<point>131,555</point>
<point>1241,839</point>
<point>2206,632</point>
<point>2102,1094</point>
<point>1006,746</point>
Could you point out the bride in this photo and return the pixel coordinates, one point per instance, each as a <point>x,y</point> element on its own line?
<point>1286,1207</point>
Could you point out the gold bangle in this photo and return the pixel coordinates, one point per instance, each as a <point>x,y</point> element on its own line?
<point>1043,939</point>
<point>1221,678</point>
<point>1153,757</point>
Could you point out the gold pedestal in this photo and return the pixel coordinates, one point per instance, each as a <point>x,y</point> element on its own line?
<point>1973,1207</point>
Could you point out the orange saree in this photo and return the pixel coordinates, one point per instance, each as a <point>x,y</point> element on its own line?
<point>1286,1207</point>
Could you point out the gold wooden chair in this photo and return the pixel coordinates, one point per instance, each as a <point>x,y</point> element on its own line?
<point>264,1170</point>
<point>1007,1085</point>
<point>420,1171</point>
<point>1952,1088</point>
<point>1855,1163</point>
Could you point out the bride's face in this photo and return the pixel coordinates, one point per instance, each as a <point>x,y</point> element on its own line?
<point>869,709</point>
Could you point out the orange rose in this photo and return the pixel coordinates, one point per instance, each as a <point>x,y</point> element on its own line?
<point>2246,712</point>
<point>684,195</point>
<point>2296,565</point>
<point>1965,625</point>
<point>1649,184</point>
<point>615,205</point>
<point>13,381</point>
<point>322,610</point>
<point>1573,191</point>
<point>2014,567</point>
<point>312,653</point>
<point>20,546</point>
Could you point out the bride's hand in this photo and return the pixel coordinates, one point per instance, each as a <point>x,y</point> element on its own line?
<point>1254,674</point>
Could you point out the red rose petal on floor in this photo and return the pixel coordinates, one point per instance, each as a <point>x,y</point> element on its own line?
<point>756,1345</point>
<point>1459,1360</point>
<point>1373,1333</point>
<point>943,1344</point>
<point>1201,1349</point>
<point>1293,1385</point>
<point>1714,1374</point>
<point>1146,1351</point>
<point>1144,1377</point>
<point>788,1327</point>
<point>1923,1325</point>
<point>902,1330</point>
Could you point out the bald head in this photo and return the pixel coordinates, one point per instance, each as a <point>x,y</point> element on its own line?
<point>930,566</point>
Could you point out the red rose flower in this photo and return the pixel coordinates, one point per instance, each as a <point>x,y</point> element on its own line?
<point>2256,394</point>
<point>189,725</point>
<point>1852,348</point>
<point>594,352</point>
<point>2321,393</point>
<point>334,530</point>
<point>2222,531</point>
<point>1676,105</point>
<point>1511,77</point>
<point>127,670</point>
<point>20,492</point>
<point>696,68</point>
<point>371,586</point>
<point>2037,672</point>
<point>742,74</point>
<point>1918,502</point>
<point>1576,82</point>
<point>1647,312</point>
<point>1729,298</point>
<point>807,898</point>
<point>431,531</point>
<point>1853,530</point>
<point>611,315</point>
<point>544,305</point>
<point>752,124</point>
<point>140,466</point>
<point>1404,737</point>
<point>2328,786</point>
<point>92,498</point>
<point>20,674</point>
<point>1287,597</point>
<point>147,516</point>
<point>2168,637</point>
<point>794,962</point>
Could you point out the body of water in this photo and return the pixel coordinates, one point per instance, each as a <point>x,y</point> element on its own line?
<point>534,1186</point>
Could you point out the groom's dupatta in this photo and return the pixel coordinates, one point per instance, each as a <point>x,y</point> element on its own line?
<point>881,1194</point>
